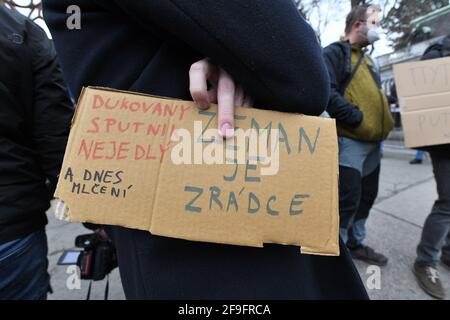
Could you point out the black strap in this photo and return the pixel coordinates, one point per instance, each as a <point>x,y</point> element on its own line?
<point>352,75</point>
<point>89,291</point>
<point>106,289</point>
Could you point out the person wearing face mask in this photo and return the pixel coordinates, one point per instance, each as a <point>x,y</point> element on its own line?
<point>361,110</point>
<point>35,116</point>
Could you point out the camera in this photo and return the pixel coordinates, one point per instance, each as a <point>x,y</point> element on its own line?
<point>96,259</point>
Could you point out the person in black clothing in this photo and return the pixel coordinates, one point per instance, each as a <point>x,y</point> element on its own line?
<point>436,231</point>
<point>35,115</point>
<point>150,46</point>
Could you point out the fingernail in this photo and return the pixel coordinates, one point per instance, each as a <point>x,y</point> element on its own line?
<point>227,130</point>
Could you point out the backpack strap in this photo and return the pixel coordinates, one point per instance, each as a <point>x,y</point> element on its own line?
<point>352,75</point>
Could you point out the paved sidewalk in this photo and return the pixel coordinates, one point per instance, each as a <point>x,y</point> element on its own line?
<point>407,193</point>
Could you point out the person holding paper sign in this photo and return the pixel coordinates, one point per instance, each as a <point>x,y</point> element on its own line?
<point>436,231</point>
<point>154,46</point>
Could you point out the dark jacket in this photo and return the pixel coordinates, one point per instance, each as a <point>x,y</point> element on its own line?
<point>149,46</point>
<point>35,116</point>
<point>338,57</point>
<point>357,103</point>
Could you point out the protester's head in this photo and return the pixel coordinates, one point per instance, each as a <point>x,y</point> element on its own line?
<point>362,24</point>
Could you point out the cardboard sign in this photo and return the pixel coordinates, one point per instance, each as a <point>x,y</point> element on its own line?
<point>156,164</point>
<point>423,89</point>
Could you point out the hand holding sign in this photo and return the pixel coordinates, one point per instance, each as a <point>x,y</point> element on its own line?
<point>223,91</point>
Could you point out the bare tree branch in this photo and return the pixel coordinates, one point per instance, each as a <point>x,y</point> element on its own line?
<point>34,7</point>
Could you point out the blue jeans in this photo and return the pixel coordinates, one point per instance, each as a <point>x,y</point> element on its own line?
<point>359,171</point>
<point>436,231</point>
<point>23,268</point>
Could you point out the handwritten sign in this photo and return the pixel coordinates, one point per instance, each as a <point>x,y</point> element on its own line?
<point>159,165</point>
<point>424,93</point>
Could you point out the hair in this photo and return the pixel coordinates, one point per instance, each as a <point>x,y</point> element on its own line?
<point>358,13</point>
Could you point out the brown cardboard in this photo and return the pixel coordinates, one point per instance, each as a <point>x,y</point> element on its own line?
<point>297,206</point>
<point>423,89</point>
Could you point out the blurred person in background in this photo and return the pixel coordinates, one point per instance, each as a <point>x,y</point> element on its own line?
<point>436,231</point>
<point>35,116</point>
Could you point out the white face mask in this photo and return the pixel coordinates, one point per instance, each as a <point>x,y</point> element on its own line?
<point>374,32</point>
<point>373,35</point>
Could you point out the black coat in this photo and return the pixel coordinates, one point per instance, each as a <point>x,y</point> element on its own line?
<point>35,115</point>
<point>149,46</point>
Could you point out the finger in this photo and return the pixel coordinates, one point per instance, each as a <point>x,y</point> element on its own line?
<point>239,97</point>
<point>248,102</point>
<point>225,97</point>
<point>213,74</point>
<point>212,94</point>
<point>198,87</point>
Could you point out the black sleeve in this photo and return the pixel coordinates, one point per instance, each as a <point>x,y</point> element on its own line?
<point>264,44</point>
<point>338,107</point>
<point>52,108</point>
<point>433,53</point>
